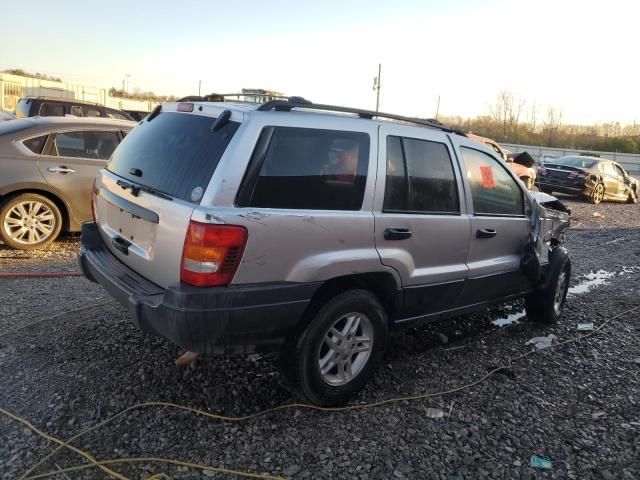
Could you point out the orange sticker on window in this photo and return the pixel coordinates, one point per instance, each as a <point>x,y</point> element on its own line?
<point>487,177</point>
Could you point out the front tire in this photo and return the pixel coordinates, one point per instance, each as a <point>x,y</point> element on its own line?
<point>339,350</point>
<point>545,304</point>
<point>29,221</point>
<point>633,197</point>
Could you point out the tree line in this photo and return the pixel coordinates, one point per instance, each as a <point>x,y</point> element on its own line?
<point>512,120</point>
<point>22,73</point>
<point>140,95</point>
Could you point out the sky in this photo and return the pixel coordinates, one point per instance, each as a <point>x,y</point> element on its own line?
<point>578,56</point>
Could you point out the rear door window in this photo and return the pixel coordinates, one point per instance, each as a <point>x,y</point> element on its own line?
<point>51,110</point>
<point>177,153</point>
<point>86,144</point>
<point>493,190</point>
<point>36,144</point>
<point>305,168</point>
<point>420,177</point>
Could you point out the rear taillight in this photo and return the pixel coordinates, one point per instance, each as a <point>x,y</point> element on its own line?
<point>94,191</point>
<point>542,171</point>
<point>211,253</point>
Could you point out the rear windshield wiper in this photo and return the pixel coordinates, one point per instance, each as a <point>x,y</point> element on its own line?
<point>135,190</point>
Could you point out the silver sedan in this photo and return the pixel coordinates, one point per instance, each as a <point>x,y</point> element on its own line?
<point>47,169</point>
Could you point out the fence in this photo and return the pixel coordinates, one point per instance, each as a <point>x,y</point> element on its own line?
<point>631,162</point>
<point>13,87</point>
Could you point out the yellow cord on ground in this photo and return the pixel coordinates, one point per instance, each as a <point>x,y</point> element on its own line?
<point>158,476</point>
<point>363,406</point>
<point>60,442</point>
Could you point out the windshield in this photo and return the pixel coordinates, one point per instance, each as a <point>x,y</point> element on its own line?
<point>578,162</point>
<point>174,153</point>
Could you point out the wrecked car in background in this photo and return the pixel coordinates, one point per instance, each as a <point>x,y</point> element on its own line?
<point>521,163</point>
<point>594,178</point>
<point>315,231</point>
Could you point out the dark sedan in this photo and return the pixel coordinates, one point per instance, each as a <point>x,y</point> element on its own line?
<point>597,179</point>
<point>47,169</point>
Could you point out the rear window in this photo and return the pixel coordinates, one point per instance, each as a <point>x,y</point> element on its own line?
<point>176,152</point>
<point>51,110</point>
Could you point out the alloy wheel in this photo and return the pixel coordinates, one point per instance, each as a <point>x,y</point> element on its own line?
<point>561,289</point>
<point>598,194</point>
<point>345,349</point>
<point>29,222</point>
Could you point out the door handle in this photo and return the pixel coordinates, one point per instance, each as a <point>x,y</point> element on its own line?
<point>486,233</point>
<point>397,233</point>
<point>61,169</point>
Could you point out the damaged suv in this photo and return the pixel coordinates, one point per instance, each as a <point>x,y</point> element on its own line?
<point>316,231</point>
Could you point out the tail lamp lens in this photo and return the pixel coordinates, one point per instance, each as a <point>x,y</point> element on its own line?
<point>211,253</point>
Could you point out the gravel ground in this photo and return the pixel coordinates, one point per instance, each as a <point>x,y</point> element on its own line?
<point>577,405</point>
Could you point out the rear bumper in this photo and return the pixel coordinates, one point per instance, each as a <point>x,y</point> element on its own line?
<point>234,319</point>
<point>568,189</point>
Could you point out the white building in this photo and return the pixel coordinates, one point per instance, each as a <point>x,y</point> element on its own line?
<point>15,87</point>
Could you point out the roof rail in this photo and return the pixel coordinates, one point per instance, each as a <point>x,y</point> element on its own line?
<point>62,99</point>
<point>301,103</point>
<point>220,97</point>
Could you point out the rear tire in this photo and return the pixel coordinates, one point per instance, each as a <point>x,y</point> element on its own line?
<point>338,351</point>
<point>597,195</point>
<point>29,221</point>
<point>545,304</point>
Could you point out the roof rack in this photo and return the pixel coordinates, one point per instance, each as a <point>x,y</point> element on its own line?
<point>220,97</point>
<point>302,103</point>
<point>62,99</point>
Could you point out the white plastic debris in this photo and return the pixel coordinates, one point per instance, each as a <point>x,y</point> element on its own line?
<point>513,318</point>
<point>433,412</point>
<point>542,342</point>
<point>585,327</point>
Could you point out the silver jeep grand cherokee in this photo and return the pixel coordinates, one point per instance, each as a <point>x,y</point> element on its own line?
<point>315,230</point>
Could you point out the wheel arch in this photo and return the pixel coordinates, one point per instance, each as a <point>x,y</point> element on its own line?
<point>56,199</point>
<point>382,284</point>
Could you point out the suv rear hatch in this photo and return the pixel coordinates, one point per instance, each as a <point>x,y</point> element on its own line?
<point>145,196</point>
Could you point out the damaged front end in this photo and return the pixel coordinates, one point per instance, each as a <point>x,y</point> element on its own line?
<point>549,221</point>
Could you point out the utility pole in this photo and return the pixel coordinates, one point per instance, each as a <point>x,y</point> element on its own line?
<point>438,107</point>
<point>128,77</point>
<point>376,87</point>
<point>199,85</point>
